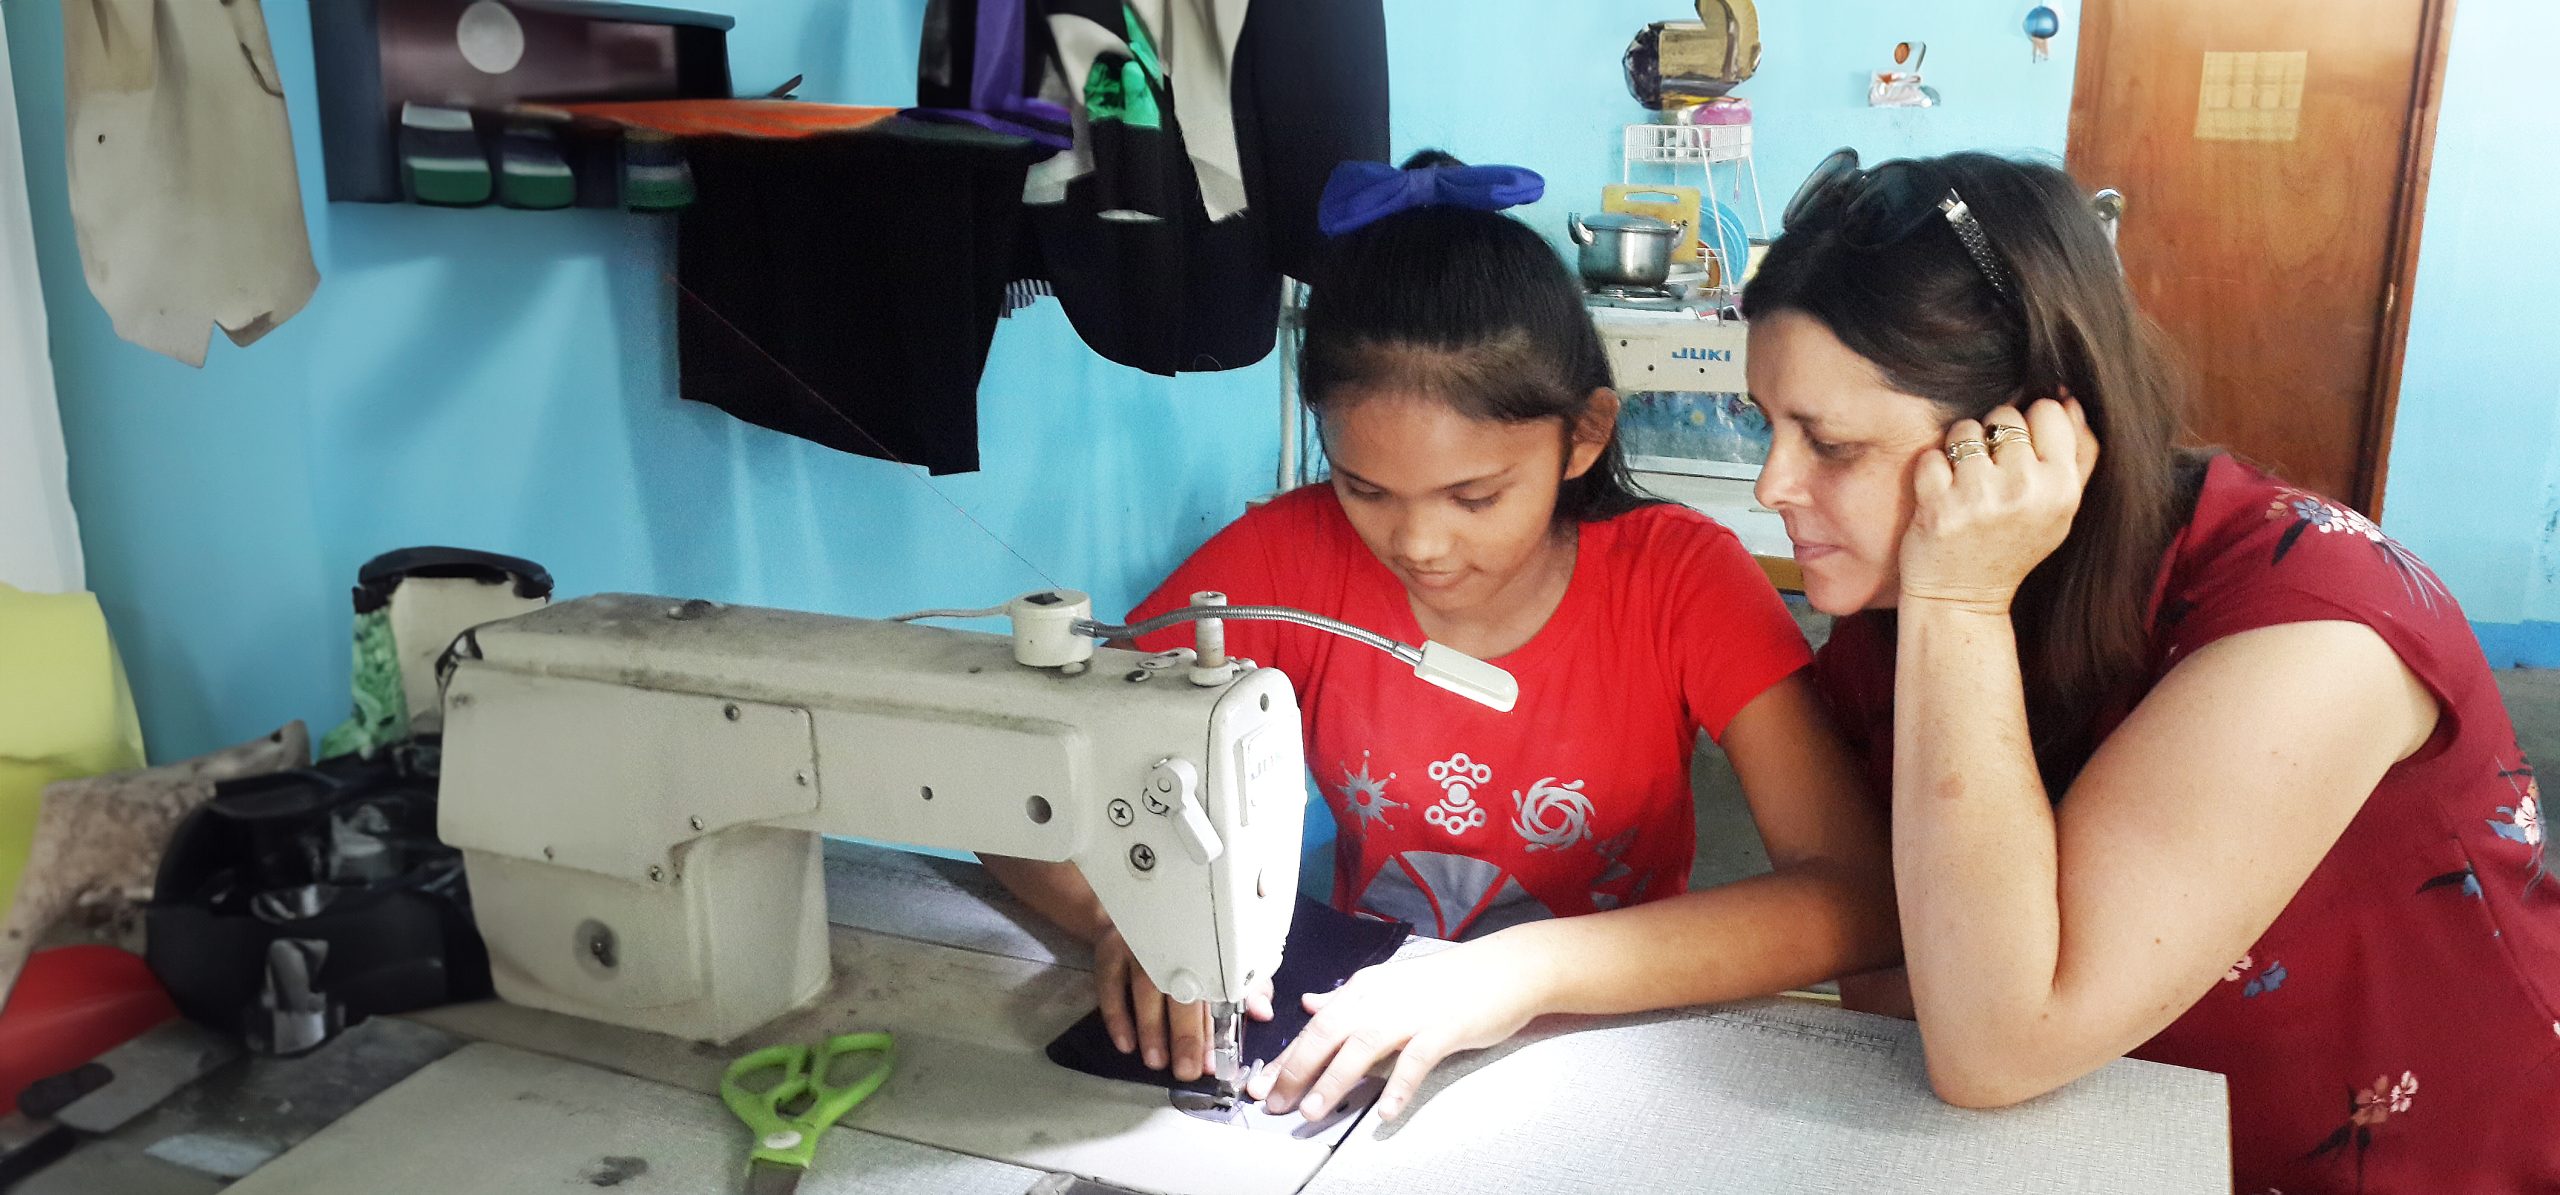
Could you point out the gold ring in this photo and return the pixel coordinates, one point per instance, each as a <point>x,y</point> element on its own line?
<point>2007,433</point>
<point>1961,449</point>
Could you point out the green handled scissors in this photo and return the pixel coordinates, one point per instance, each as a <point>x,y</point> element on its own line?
<point>788,1117</point>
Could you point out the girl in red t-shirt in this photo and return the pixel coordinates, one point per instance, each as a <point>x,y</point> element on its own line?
<point>1480,499</point>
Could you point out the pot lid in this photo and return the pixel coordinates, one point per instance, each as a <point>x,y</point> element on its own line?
<point>1627,222</point>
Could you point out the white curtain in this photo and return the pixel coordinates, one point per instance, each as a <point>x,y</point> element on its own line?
<point>39,542</point>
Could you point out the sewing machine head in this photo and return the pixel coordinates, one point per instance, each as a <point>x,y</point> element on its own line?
<point>639,786</point>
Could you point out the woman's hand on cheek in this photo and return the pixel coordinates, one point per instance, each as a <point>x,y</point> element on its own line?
<point>1980,524</point>
<point>1464,998</point>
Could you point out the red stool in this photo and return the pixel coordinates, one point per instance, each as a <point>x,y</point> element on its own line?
<point>71,1005</point>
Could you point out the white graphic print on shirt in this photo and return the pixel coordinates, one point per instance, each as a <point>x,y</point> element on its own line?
<point>1551,816</point>
<point>1367,796</point>
<point>1458,777</point>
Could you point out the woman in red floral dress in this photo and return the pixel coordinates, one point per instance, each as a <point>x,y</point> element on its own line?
<point>2185,763</point>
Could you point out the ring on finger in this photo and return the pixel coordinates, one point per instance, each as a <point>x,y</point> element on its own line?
<point>1962,449</point>
<point>2006,433</point>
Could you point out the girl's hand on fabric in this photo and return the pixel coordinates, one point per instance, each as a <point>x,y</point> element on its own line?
<point>1996,503</point>
<point>1143,1020</point>
<point>1464,998</point>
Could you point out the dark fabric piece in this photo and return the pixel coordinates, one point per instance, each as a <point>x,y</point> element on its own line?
<point>1325,948</point>
<point>1311,93</point>
<point>1141,272</point>
<point>1179,293</point>
<point>844,288</point>
<point>1184,294</point>
<point>1140,172</point>
<point>946,57</point>
<point>1171,295</point>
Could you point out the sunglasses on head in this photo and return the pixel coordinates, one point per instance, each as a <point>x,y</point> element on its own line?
<point>1875,208</point>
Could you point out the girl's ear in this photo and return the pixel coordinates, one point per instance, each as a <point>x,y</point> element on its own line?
<point>1590,434</point>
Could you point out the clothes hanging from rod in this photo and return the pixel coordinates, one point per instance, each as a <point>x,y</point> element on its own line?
<point>1203,133</point>
<point>844,287</point>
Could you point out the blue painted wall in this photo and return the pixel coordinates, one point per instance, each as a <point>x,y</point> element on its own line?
<point>505,380</point>
<point>2474,485</point>
<point>1540,84</point>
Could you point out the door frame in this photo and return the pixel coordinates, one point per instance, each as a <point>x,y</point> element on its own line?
<point>2408,219</point>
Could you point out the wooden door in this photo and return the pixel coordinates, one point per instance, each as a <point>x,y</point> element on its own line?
<point>2272,154</point>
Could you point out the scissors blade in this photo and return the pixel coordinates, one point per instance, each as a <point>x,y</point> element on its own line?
<point>770,1178</point>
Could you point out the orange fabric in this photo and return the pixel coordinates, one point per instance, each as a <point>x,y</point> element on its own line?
<point>777,119</point>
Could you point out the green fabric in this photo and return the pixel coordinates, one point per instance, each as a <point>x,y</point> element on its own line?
<point>657,189</point>
<point>655,176</point>
<point>1122,90</point>
<point>381,714</point>
<point>448,185</point>
<point>537,190</point>
<point>65,712</point>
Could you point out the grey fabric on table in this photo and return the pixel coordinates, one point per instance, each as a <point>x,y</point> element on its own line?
<point>951,901</point>
<point>970,1079</point>
<point>118,1168</point>
<point>1772,1096</point>
<point>489,1120</point>
<point>1779,1095</point>
<point>252,1110</point>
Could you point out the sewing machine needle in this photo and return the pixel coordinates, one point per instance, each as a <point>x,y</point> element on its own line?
<point>1226,1057</point>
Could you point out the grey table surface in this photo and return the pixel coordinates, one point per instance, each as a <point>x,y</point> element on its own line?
<point>1778,1095</point>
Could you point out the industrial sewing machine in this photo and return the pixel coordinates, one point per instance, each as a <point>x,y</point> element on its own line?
<point>639,785</point>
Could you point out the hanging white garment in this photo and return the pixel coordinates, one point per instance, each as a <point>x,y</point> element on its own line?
<point>182,178</point>
<point>1196,41</point>
<point>39,541</point>
<point>1201,37</point>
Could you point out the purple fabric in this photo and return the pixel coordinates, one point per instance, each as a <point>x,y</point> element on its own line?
<point>996,101</point>
<point>1045,123</point>
<point>995,83</point>
<point>1360,193</point>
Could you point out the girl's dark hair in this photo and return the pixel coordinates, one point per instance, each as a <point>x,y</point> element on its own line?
<point>1919,309</point>
<point>1469,307</point>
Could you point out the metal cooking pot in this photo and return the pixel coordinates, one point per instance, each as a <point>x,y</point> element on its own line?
<point>1623,249</point>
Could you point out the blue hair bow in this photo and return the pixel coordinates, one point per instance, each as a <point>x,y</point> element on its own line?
<point>1360,193</point>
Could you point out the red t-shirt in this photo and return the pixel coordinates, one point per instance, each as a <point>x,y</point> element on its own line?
<point>2398,1028</point>
<point>1463,820</point>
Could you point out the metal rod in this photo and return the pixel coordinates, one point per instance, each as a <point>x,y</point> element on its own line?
<point>1288,393</point>
<point>1099,630</point>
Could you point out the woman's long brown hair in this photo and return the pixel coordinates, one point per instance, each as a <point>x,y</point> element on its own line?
<point>1923,313</point>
